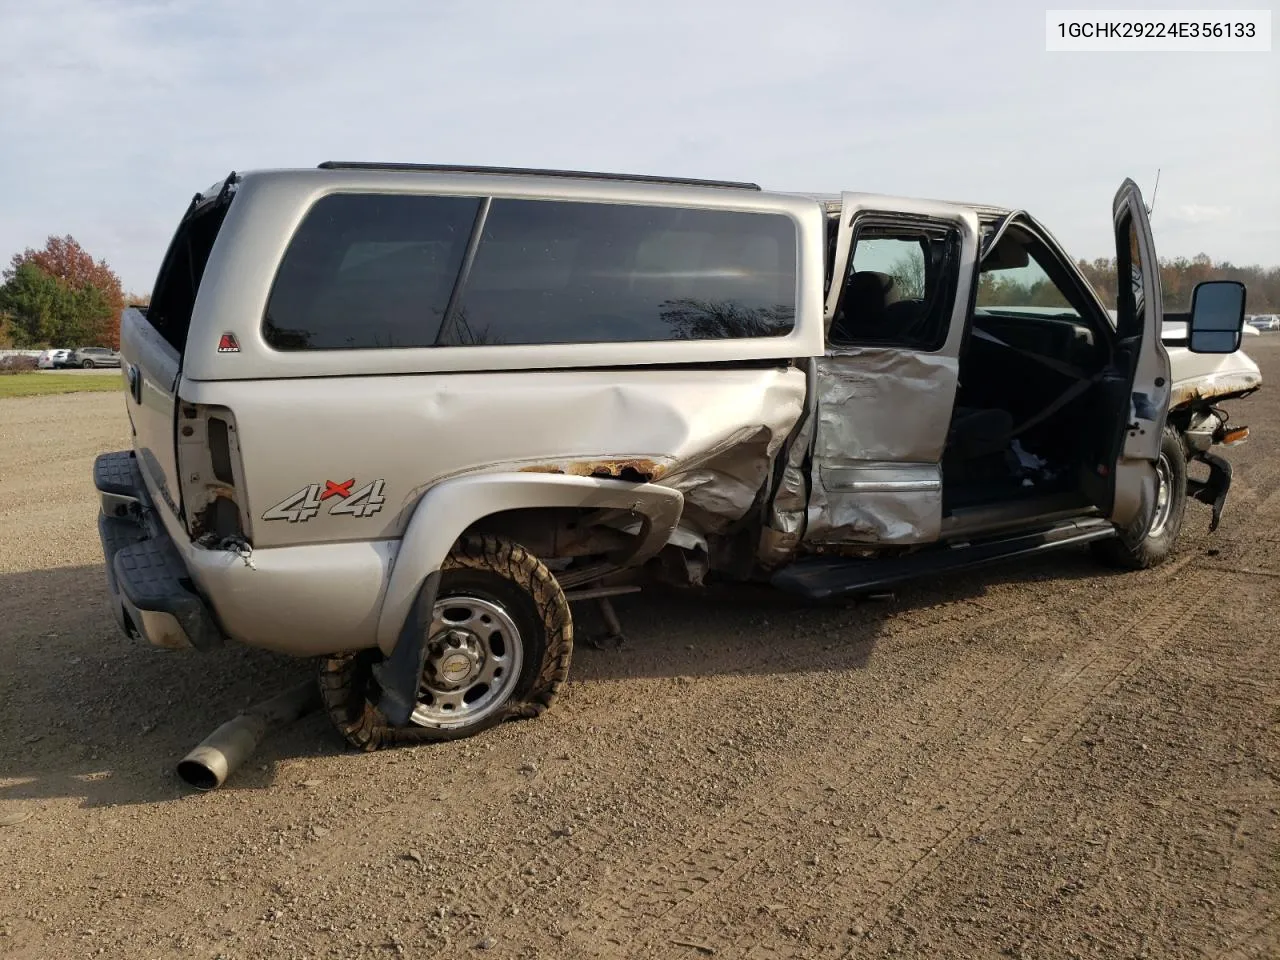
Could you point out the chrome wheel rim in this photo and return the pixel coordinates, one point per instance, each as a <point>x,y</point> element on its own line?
<point>474,656</point>
<point>1164,497</point>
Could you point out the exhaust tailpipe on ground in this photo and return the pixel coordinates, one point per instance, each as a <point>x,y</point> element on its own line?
<point>219,754</point>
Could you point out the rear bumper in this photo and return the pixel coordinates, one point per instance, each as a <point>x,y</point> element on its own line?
<point>303,601</point>
<point>152,593</point>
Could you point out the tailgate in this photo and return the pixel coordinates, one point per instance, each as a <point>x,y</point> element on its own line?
<point>151,371</point>
<point>154,338</point>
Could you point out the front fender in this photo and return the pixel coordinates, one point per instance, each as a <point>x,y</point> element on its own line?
<point>449,508</point>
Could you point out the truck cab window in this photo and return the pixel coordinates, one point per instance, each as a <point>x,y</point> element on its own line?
<point>899,289</point>
<point>1013,280</point>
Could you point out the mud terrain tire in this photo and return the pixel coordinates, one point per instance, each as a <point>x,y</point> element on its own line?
<point>1151,546</point>
<point>494,571</point>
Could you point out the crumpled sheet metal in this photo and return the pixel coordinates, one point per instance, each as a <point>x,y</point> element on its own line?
<point>876,504</point>
<point>1209,376</point>
<point>791,500</point>
<point>1217,386</point>
<point>884,405</point>
<point>883,417</point>
<point>721,480</point>
<point>714,498</point>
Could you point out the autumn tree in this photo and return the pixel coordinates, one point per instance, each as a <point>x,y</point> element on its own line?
<point>33,302</point>
<point>1179,276</point>
<point>60,295</point>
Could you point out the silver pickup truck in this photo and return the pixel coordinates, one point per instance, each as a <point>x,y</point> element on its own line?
<point>400,417</point>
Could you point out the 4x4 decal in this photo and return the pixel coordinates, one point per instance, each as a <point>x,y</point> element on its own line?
<point>306,503</point>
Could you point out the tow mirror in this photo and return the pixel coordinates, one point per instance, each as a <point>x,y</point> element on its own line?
<point>1217,317</point>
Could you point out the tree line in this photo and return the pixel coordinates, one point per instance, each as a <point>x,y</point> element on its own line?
<point>1179,276</point>
<point>59,295</point>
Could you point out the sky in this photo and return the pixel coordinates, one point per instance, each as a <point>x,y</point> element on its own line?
<point>114,112</point>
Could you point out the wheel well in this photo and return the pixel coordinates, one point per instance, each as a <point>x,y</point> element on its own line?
<point>557,532</point>
<point>1180,417</point>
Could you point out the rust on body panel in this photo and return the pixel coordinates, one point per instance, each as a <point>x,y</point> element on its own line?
<point>1216,387</point>
<point>637,469</point>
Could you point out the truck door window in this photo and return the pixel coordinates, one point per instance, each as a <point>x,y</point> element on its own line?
<point>900,287</point>
<point>1014,280</point>
<point>1026,299</point>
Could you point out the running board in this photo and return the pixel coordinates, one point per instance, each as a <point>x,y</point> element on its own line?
<point>824,578</point>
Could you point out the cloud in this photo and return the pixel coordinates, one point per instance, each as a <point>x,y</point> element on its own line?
<point>1195,214</point>
<point>114,114</point>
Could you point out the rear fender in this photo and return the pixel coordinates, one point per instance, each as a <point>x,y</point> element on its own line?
<point>449,508</point>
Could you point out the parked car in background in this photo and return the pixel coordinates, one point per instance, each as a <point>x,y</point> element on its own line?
<point>1266,321</point>
<point>88,357</point>
<point>51,359</point>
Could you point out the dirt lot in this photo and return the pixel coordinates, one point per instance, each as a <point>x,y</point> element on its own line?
<point>1047,761</point>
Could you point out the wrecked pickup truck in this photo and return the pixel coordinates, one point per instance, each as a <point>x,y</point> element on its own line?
<point>400,417</point>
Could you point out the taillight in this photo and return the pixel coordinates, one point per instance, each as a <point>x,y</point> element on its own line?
<point>212,476</point>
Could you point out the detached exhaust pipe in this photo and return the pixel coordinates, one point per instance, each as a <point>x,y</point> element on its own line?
<point>219,754</point>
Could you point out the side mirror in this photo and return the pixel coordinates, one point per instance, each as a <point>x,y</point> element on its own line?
<point>1217,317</point>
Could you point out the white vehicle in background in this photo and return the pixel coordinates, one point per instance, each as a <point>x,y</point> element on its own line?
<point>1266,321</point>
<point>52,359</point>
<point>1177,329</point>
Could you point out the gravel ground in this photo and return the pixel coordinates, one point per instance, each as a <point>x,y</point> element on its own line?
<point>1044,761</point>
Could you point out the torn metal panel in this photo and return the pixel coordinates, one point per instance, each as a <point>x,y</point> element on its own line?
<point>788,507</point>
<point>791,499</point>
<point>212,479</point>
<point>877,476</point>
<point>724,484</point>
<point>776,547</point>
<point>636,469</point>
<point>1220,387</point>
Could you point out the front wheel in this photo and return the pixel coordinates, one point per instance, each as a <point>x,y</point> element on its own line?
<point>498,647</point>
<point>1151,546</point>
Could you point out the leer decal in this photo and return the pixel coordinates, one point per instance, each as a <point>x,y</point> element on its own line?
<point>228,344</point>
<point>306,503</point>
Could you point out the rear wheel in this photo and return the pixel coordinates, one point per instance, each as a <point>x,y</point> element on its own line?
<point>87,364</point>
<point>498,647</point>
<point>1150,546</point>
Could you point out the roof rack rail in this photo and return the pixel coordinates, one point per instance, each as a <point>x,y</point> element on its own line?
<point>533,172</point>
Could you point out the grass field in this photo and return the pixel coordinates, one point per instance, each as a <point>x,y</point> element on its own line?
<point>36,384</point>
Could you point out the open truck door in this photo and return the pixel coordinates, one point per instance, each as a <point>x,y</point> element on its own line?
<point>1128,488</point>
<point>1143,478</point>
<point>886,384</point>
